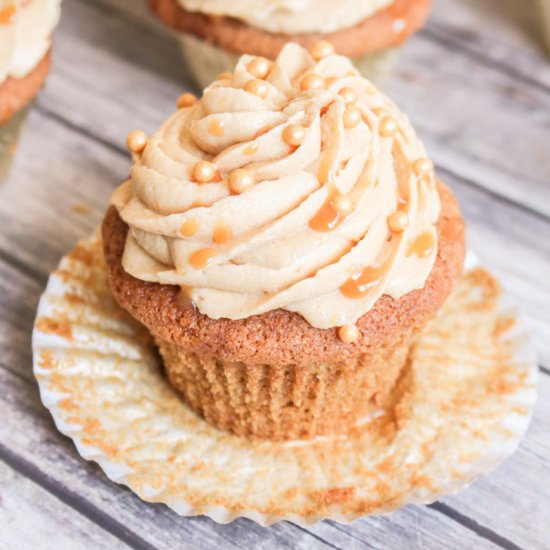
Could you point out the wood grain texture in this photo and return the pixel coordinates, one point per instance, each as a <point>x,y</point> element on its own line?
<point>479,96</point>
<point>32,518</point>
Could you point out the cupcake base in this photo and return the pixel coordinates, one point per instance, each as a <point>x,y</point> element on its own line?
<point>468,393</point>
<point>206,61</point>
<point>287,401</point>
<point>9,136</point>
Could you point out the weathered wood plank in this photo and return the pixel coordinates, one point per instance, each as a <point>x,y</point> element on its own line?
<point>31,435</point>
<point>31,518</point>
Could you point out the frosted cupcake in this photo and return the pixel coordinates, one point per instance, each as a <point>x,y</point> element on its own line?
<point>25,40</point>
<point>213,33</point>
<point>283,238</point>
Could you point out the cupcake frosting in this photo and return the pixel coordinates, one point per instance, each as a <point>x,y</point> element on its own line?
<point>291,16</point>
<point>25,34</point>
<point>294,185</point>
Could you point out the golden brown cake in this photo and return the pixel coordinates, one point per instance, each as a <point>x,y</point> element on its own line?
<point>367,31</point>
<point>283,239</point>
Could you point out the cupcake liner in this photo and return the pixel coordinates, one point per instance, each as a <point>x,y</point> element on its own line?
<point>281,402</point>
<point>464,403</point>
<point>544,7</point>
<point>9,136</point>
<point>206,61</point>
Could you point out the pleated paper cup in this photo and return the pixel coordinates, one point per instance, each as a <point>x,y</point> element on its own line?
<point>9,137</point>
<point>460,409</point>
<point>206,61</point>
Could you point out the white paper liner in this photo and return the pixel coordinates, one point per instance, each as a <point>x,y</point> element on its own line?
<point>473,374</point>
<point>206,61</point>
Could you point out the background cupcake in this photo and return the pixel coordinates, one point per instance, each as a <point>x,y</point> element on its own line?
<point>25,41</point>
<point>283,239</point>
<point>213,33</point>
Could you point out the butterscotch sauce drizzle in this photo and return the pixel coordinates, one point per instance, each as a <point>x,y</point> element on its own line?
<point>222,233</point>
<point>216,127</point>
<point>200,258</point>
<point>189,228</point>
<point>422,246</point>
<point>326,218</point>
<point>251,149</point>
<point>361,282</point>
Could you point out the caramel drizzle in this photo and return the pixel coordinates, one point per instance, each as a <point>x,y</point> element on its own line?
<point>251,149</point>
<point>361,282</point>
<point>422,246</point>
<point>189,228</point>
<point>216,127</point>
<point>200,258</point>
<point>7,13</point>
<point>222,233</point>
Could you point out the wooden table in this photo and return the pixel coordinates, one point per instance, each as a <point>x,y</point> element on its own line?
<point>477,87</point>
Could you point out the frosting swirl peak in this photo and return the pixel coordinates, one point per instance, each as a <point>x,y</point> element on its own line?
<point>294,185</point>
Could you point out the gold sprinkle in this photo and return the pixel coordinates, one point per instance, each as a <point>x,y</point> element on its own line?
<point>204,171</point>
<point>423,166</point>
<point>352,117</point>
<point>240,180</point>
<point>186,100</point>
<point>294,134</point>
<point>398,221</point>
<point>349,95</point>
<point>259,67</point>
<point>321,49</point>
<point>312,81</point>
<point>136,141</point>
<point>257,87</point>
<point>348,334</point>
<point>388,127</point>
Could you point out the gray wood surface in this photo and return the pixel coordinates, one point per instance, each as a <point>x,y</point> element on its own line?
<point>477,87</point>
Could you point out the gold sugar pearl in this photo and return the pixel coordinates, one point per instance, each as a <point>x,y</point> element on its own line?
<point>343,204</point>
<point>240,180</point>
<point>423,166</point>
<point>388,127</point>
<point>321,49</point>
<point>312,81</point>
<point>349,334</point>
<point>186,100</point>
<point>398,221</point>
<point>352,117</point>
<point>204,171</point>
<point>259,67</point>
<point>136,141</point>
<point>257,87</point>
<point>349,95</point>
<point>294,134</point>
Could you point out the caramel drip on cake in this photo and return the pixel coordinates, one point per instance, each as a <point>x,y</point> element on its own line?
<point>422,246</point>
<point>362,281</point>
<point>200,258</point>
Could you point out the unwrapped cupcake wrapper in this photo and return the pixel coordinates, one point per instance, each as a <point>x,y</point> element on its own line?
<point>9,136</point>
<point>545,20</point>
<point>281,402</point>
<point>206,62</point>
<point>470,392</point>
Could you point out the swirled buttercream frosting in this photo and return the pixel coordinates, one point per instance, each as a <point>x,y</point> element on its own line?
<point>294,184</point>
<point>291,16</point>
<point>25,34</point>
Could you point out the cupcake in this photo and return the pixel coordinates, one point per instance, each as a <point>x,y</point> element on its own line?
<point>213,33</point>
<point>283,238</point>
<point>25,40</point>
<point>545,20</point>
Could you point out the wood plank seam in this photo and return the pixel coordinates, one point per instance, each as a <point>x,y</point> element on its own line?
<point>473,525</point>
<point>320,539</point>
<point>75,501</point>
<point>444,37</point>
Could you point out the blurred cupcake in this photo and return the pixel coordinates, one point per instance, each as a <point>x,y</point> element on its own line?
<point>25,39</point>
<point>283,238</point>
<point>213,33</point>
<point>545,20</point>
